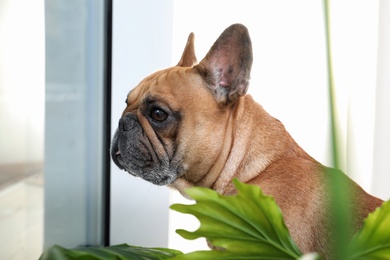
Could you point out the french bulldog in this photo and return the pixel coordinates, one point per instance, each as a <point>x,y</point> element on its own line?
<point>194,125</point>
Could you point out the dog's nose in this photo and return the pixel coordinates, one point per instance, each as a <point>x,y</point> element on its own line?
<point>126,123</point>
<point>124,126</point>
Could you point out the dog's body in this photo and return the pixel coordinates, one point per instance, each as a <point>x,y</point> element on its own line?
<point>194,125</point>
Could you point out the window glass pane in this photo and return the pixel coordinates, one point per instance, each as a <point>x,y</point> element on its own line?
<point>21,128</point>
<point>74,125</point>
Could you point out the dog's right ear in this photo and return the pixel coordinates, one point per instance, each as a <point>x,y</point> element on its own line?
<point>226,67</point>
<point>188,58</point>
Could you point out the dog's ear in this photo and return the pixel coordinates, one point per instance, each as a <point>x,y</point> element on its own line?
<point>226,67</point>
<point>188,58</point>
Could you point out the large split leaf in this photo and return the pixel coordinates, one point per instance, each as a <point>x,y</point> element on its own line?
<point>248,225</point>
<point>373,240</point>
<point>117,252</point>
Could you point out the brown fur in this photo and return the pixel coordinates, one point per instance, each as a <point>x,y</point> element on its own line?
<point>214,133</point>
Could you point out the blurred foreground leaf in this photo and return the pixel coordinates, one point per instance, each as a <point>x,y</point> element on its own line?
<point>373,240</point>
<point>117,252</point>
<point>248,225</point>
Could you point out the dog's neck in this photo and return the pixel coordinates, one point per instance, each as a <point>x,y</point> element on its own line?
<point>268,142</point>
<point>251,154</point>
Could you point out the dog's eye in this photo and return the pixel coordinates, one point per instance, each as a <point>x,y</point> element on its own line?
<point>158,115</point>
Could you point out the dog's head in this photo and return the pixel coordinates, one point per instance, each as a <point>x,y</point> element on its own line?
<point>174,120</point>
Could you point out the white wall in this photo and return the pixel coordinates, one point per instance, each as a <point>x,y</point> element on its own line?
<point>381,165</point>
<point>354,26</point>
<point>142,35</point>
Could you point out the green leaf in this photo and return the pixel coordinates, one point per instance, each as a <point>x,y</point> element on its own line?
<point>248,225</point>
<point>117,252</point>
<point>373,240</point>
